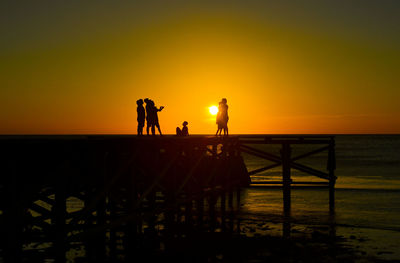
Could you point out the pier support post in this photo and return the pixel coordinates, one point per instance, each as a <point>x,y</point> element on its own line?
<point>332,178</point>
<point>286,151</point>
<point>60,212</point>
<point>13,214</point>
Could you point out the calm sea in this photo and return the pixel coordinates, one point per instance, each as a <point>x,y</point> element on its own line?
<point>367,192</point>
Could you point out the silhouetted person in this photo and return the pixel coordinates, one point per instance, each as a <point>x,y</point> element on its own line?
<point>156,123</point>
<point>218,120</point>
<point>152,117</point>
<point>140,116</point>
<point>222,117</point>
<point>184,131</point>
<point>148,110</point>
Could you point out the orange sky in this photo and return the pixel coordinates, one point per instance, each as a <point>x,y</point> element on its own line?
<point>79,69</point>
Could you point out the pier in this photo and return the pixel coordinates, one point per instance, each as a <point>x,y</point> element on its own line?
<point>115,198</point>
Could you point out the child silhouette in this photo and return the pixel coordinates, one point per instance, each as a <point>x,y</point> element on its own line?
<point>184,131</point>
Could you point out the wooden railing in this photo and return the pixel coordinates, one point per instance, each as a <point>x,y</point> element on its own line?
<point>322,143</point>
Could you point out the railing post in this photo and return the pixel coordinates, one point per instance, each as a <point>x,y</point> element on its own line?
<point>332,178</point>
<point>286,151</point>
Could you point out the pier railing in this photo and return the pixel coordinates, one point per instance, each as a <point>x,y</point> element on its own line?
<point>315,144</point>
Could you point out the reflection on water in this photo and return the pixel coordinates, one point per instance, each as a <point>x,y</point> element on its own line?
<point>368,220</point>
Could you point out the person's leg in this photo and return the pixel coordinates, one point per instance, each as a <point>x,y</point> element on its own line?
<point>158,127</point>
<point>153,129</point>
<point>147,128</point>
<point>219,129</point>
<point>226,131</point>
<point>141,128</point>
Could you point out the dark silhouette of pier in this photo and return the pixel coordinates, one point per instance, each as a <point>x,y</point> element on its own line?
<point>121,198</point>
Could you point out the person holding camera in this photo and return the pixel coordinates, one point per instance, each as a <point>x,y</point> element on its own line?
<point>152,116</point>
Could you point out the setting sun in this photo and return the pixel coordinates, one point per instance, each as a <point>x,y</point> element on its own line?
<point>213,110</point>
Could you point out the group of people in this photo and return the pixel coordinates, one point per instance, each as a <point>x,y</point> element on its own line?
<point>150,115</point>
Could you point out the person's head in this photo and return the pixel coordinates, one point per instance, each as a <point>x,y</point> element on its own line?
<point>224,101</point>
<point>146,100</point>
<point>185,123</point>
<point>139,102</point>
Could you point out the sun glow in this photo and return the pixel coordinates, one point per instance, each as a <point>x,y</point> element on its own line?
<point>213,110</point>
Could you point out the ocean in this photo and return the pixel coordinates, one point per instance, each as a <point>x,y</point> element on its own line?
<point>367,196</point>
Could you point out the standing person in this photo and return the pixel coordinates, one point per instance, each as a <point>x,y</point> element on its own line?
<point>219,120</point>
<point>154,112</point>
<point>149,115</point>
<point>224,116</point>
<point>140,116</point>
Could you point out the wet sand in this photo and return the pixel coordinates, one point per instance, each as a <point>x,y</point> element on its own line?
<point>318,243</point>
<point>251,246</point>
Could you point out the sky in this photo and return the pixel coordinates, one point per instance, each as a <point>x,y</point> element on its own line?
<point>291,67</point>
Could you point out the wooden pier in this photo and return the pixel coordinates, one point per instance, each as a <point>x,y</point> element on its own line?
<point>119,198</point>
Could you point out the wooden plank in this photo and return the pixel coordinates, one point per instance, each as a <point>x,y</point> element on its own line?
<point>40,209</point>
<point>266,154</point>
<point>256,171</point>
<point>248,141</point>
<point>272,136</point>
<point>260,155</point>
<point>292,182</point>
<point>309,170</point>
<point>310,153</point>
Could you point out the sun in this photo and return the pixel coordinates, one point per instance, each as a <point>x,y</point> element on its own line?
<point>213,110</point>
